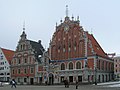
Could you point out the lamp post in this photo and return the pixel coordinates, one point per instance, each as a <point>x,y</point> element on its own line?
<point>96,69</point>
<point>95,76</point>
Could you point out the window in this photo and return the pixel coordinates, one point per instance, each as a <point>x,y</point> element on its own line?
<point>1,57</point>
<point>69,49</point>
<point>13,71</point>
<point>102,65</point>
<point>32,70</point>
<point>70,65</point>
<point>62,66</point>
<point>78,65</point>
<point>18,79</point>
<point>25,79</point>
<point>25,70</point>
<point>63,48</point>
<point>75,48</point>
<point>75,44</point>
<point>18,61</point>
<point>99,64</point>
<point>18,71</point>
<point>25,60</point>
<point>21,47</point>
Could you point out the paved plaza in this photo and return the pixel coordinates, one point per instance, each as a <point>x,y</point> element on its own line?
<point>59,87</point>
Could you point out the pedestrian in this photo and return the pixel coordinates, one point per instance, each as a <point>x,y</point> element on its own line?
<point>64,83</point>
<point>46,82</point>
<point>76,84</point>
<point>13,82</point>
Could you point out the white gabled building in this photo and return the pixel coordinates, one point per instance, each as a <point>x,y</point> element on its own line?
<point>6,56</point>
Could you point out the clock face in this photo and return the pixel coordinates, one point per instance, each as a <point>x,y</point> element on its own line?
<point>66,28</point>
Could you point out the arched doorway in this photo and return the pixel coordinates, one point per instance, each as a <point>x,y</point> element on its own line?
<point>51,78</point>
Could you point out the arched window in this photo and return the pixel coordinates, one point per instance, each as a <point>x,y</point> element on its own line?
<point>102,65</point>
<point>19,61</point>
<point>78,65</point>
<point>70,65</point>
<point>23,46</point>
<point>62,66</point>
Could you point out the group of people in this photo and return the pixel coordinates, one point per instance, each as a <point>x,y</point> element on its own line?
<point>66,83</point>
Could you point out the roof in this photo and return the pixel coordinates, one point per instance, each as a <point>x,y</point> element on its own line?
<point>38,48</point>
<point>8,54</point>
<point>96,47</point>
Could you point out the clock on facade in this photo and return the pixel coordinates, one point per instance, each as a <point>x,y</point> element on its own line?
<point>66,28</point>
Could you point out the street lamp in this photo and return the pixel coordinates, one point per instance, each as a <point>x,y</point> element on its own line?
<point>96,69</point>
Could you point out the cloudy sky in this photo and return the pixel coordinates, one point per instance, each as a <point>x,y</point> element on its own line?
<point>100,17</point>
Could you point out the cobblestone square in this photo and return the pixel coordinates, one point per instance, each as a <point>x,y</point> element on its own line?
<point>58,87</point>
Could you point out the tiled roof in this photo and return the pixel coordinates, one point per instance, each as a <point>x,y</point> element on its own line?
<point>96,47</point>
<point>8,54</point>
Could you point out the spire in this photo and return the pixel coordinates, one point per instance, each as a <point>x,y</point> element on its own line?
<point>66,18</point>
<point>24,26</point>
<point>56,24</point>
<point>23,36</point>
<point>66,10</point>
<point>72,17</point>
<point>78,18</point>
<point>61,20</point>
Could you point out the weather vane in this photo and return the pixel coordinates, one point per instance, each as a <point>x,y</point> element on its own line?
<point>24,26</point>
<point>66,10</point>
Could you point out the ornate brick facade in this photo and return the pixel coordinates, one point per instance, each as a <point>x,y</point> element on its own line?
<point>78,55</point>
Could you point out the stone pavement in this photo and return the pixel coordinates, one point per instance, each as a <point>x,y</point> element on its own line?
<point>58,87</point>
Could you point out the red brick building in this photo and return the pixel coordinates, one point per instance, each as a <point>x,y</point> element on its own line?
<point>78,55</point>
<point>27,62</point>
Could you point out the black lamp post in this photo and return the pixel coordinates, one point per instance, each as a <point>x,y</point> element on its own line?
<point>96,70</point>
<point>95,76</point>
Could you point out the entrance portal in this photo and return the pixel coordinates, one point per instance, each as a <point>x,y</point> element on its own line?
<point>51,78</point>
<point>31,81</point>
<point>79,78</point>
<point>70,78</point>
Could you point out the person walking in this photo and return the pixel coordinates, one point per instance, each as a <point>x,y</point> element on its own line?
<point>13,82</point>
<point>76,84</point>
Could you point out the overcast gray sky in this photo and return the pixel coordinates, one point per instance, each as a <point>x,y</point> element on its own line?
<point>102,17</point>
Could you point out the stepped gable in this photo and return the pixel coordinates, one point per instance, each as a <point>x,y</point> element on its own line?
<point>8,54</point>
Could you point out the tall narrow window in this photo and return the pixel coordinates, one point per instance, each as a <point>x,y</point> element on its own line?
<point>18,61</point>
<point>62,66</point>
<point>32,70</point>
<point>70,65</point>
<point>13,72</point>
<point>18,71</point>
<point>25,60</point>
<point>78,65</point>
<point>25,70</point>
